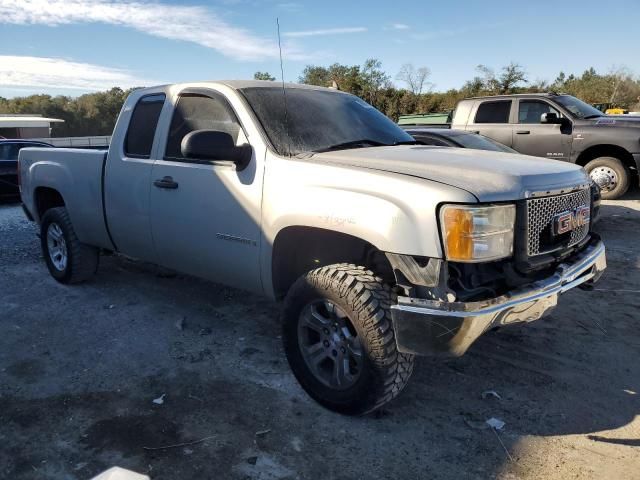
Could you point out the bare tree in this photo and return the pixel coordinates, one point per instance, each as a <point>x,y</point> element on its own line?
<point>619,77</point>
<point>416,80</point>
<point>512,75</point>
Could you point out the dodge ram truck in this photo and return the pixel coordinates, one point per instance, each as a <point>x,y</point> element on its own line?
<point>380,248</point>
<point>562,127</point>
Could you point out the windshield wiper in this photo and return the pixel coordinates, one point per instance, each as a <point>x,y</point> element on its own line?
<point>588,117</point>
<point>362,143</point>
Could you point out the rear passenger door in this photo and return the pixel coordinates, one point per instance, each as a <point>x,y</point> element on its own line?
<point>541,140</point>
<point>128,177</point>
<point>492,119</point>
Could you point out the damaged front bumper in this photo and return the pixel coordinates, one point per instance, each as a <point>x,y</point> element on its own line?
<point>429,327</point>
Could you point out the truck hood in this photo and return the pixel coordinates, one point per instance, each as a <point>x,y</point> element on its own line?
<point>490,176</point>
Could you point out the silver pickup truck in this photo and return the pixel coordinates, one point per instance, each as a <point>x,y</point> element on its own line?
<point>381,249</point>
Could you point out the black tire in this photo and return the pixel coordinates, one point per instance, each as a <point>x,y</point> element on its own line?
<point>366,301</point>
<point>615,173</point>
<point>81,260</point>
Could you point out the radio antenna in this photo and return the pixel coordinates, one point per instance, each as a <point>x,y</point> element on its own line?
<point>284,91</point>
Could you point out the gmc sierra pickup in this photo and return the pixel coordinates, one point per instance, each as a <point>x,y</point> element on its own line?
<point>562,127</point>
<point>381,249</point>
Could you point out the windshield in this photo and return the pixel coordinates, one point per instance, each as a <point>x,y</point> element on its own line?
<point>479,142</point>
<point>578,108</point>
<point>320,120</point>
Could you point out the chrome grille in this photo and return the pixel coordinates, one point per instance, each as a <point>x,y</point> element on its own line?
<point>540,216</point>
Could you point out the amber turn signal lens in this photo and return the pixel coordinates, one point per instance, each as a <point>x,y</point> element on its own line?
<point>458,225</point>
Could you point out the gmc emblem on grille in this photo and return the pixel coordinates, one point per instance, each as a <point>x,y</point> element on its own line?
<point>566,221</point>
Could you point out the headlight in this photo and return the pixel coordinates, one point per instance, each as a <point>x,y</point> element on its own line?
<point>477,233</point>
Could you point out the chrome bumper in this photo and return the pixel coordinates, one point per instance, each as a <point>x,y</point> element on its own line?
<point>428,327</point>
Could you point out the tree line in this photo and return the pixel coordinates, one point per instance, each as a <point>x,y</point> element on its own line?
<point>96,113</point>
<point>618,88</point>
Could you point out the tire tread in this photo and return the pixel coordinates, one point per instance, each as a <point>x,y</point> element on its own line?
<point>371,298</point>
<point>83,258</point>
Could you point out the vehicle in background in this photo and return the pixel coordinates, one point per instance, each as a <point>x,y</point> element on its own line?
<point>434,119</point>
<point>616,111</point>
<point>381,248</point>
<point>95,142</point>
<point>444,137</point>
<point>561,127</point>
<point>9,163</point>
<point>611,109</point>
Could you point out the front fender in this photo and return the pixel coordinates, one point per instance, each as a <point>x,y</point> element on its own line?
<point>393,212</point>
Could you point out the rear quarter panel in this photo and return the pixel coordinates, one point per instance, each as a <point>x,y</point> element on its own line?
<point>77,175</point>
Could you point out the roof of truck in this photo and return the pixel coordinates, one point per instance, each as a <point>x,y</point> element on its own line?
<point>540,94</point>
<point>240,84</point>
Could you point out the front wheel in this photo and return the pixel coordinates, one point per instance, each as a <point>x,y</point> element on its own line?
<point>68,260</point>
<point>611,175</point>
<point>339,339</point>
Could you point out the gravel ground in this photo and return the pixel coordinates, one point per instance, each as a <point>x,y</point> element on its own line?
<point>80,368</point>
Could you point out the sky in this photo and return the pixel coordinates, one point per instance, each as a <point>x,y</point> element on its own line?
<point>73,47</point>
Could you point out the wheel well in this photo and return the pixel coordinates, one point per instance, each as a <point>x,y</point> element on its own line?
<point>607,151</point>
<point>297,250</point>
<point>47,198</point>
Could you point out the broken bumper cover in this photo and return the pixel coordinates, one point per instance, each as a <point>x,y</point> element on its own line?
<point>428,327</point>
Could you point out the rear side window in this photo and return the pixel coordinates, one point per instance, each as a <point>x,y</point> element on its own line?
<point>200,112</point>
<point>493,112</point>
<point>142,126</point>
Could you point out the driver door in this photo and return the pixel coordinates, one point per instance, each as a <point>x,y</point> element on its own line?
<point>205,215</point>
<point>531,137</point>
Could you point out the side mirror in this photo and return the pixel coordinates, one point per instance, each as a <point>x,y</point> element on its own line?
<point>550,118</point>
<point>214,146</point>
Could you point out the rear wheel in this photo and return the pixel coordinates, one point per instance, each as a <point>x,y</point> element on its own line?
<point>611,175</point>
<point>68,260</point>
<point>339,339</point>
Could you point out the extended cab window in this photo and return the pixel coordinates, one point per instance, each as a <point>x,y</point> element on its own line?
<point>200,112</point>
<point>493,112</point>
<point>530,111</point>
<point>142,126</point>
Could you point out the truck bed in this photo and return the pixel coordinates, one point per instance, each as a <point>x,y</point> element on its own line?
<point>77,174</point>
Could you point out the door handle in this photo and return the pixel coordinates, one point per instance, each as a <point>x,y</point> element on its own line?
<point>166,182</point>
<point>523,132</point>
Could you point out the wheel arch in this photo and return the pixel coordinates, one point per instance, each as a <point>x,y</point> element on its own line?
<point>607,150</point>
<point>46,198</point>
<point>298,249</point>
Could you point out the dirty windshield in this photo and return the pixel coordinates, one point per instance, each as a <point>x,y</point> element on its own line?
<point>577,107</point>
<point>321,120</point>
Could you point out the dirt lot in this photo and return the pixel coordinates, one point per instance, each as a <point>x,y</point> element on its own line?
<point>80,367</point>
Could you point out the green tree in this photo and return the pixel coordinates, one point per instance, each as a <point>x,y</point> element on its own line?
<point>373,79</point>
<point>263,76</point>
